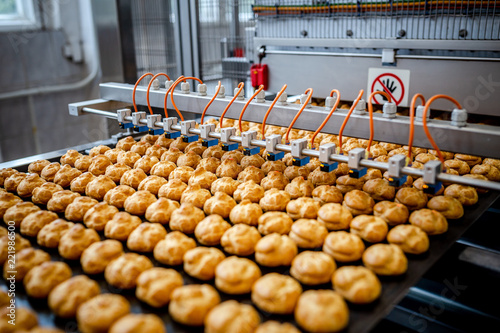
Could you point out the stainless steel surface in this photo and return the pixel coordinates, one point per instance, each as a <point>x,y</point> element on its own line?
<point>473,139</point>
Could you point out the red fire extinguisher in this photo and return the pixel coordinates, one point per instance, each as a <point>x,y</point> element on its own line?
<point>259,74</point>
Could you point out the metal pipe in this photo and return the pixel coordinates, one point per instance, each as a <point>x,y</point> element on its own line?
<point>106,114</point>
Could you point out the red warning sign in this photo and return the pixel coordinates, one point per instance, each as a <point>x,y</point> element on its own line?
<point>393,82</point>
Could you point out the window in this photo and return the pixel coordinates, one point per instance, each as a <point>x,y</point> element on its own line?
<point>17,15</point>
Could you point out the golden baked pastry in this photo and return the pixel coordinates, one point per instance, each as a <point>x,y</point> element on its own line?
<point>145,237</point>
<point>149,138</point>
<point>79,184</point>
<point>189,159</point>
<point>357,284</point>
<point>430,221</point>
<point>210,230</point>
<point>29,184</point>
<point>419,185</point>
<point>274,200</point>
<point>489,171</point>
<point>382,158</point>
<point>128,158</point>
<point>49,171</point>
<point>99,165</point>
<point>276,293</point>
<point>200,262</point>
<point>34,222</point>
<point>112,154</point>
<point>231,316</point>
<point>37,166</point>
<point>24,260</point>
<point>253,160</point>
<point>171,249</point>
<point>51,233</point>
<point>412,198</point>
<point>220,204</point>
<point>189,305</point>
<point>450,207</point>
<point>120,225</point>
<point>146,163</point>
<point>299,187</point>
<point>389,146</point>
<point>125,143</point>
<point>308,233</point>
<point>12,182</point>
<point>100,312</point>
<point>83,162</point>
<point>42,194</point>
<point>139,202</point>
<point>407,183</point>
<point>342,170</point>
<point>385,259</point>
<point>344,246</point>
<point>172,190</point>
<point>236,276</point>
<point>98,150</point>
<point>25,320</point>
<point>195,195</point>
<point>379,189</point>
<point>334,216</point>
<point>240,240</point>
<point>269,166</point>
<point>274,180</point>
<point>18,212</point>
<point>312,267</point>
<point>214,151</point>
<point>77,209</point>
<point>186,218</point>
<point>479,190</point>
<point>275,222</point>
<point>467,195</point>
<point>306,208</point>
<point>460,166</point>
<point>76,240</point>
<point>116,171</point>
<point>100,214</point>
<point>161,210</point>
<point>346,184</point>
<point>251,173</point>
<point>179,144</point>
<point>98,255</point>
<point>275,250</point>
<point>65,175</point>
<point>195,147</point>
<point>171,155</point>
<point>140,148</point>
<point>246,212</point>
<point>181,173</point>
<point>210,164</point>
<point>203,178</point>
<point>152,184</point>
<point>272,326</point>
<point>117,195</point>
<point>229,168</point>
<point>155,151</point>
<point>425,157</point>
<point>133,322</point>
<point>292,172</point>
<point>249,190</point>
<point>409,238</point>
<point>65,299</point>
<point>8,200</point>
<point>163,169</point>
<point>371,228</point>
<point>60,200</point>
<point>377,150</point>
<point>20,244</point>
<point>318,177</point>
<point>123,271</point>
<point>7,172</point>
<point>41,279</point>
<point>446,154</point>
<point>326,194</point>
<point>235,154</point>
<point>393,213</point>
<point>486,161</point>
<point>99,186</point>
<point>358,202</point>
<point>155,286</point>
<point>469,159</point>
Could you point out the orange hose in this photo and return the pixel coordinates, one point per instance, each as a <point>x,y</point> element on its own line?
<point>135,87</point>
<point>173,88</point>
<point>424,121</point>
<point>241,85</point>
<point>370,110</point>
<point>328,116</point>
<point>211,100</point>
<point>149,87</point>
<point>269,110</point>
<point>166,95</point>
<point>346,119</point>
<point>261,87</point>
<point>310,91</point>
<point>412,121</point>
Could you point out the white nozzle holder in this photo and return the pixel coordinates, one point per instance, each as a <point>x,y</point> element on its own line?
<point>360,107</point>
<point>431,170</point>
<point>122,113</point>
<point>271,142</point>
<point>355,156</point>
<point>396,164</point>
<point>226,133</point>
<point>330,102</point>
<point>261,97</point>
<point>168,123</point>
<point>156,84</point>
<point>419,113</point>
<point>282,99</point>
<point>185,88</point>
<point>241,94</point>
<point>186,126</point>
<point>247,137</point>
<point>303,99</point>
<point>222,92</point>
<point>459,117</point>
<point>205,130</point>
<point>297,147</point>
<point>137,116</point>
<point>202,89</point>
<point>168,83</point>
<point>325,151</point>
<point>389,109</point>
<point>152,119</point>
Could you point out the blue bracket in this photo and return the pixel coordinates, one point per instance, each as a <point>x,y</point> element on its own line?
<point>276,156</point>
<point>140,129</point>
<point>190,138</point>
<point>301,161</point>
<point>328,167</point>
<point>156,131</point>
<point>229,147</point>
<point>172,135</point>
<point>432,189</point>
<point>357,173</point>
<point>209,143</point>
<point>251,151</point>
<point>397,181</point>
<point>126,125</point>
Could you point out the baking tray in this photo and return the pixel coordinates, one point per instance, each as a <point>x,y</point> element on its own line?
<point>363,318</point>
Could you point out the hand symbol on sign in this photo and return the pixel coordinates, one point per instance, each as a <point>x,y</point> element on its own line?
<point>390,85</point>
